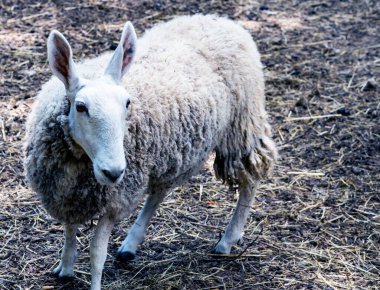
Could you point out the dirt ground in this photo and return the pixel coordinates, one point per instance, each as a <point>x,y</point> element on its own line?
<point>315,223</point>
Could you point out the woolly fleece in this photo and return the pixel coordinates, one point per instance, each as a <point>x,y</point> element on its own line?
<point>197,86</point>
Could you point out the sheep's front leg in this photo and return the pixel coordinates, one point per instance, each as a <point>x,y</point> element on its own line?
<point>234,231</point>
<point>136,234</point>
<point>98,250</point>
<point>65,269</point>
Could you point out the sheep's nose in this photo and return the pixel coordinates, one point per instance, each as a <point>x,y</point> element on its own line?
<point>112,175</point>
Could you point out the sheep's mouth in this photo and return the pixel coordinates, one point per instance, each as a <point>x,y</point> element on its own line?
<point>106,178</point>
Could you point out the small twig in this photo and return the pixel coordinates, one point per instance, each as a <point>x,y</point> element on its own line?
<point>297,137</point>
<point>5,256</point>
<point>306,173</point>
<point>313,117</point>
<point>3,130</point>
<point>250,244</point>
<point>90,227</point>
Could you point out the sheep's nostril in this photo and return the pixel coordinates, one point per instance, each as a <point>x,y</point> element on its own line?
<point>112,175</point>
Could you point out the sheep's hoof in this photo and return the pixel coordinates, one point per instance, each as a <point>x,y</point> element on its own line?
<point>125,256</point>
<point>219,251</point>
<point>63,277</point>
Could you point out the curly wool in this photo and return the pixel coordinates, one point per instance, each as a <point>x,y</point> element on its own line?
<point>197,86</point>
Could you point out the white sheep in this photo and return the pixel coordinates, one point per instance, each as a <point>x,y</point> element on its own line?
<point>97,142</point>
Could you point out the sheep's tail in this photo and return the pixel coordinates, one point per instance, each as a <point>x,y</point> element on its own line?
<point>256,163</point>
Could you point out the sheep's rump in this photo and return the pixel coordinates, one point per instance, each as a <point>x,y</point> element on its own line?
<point>200,79</point>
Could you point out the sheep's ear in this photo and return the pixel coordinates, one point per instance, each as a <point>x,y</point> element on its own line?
<point>61,60</point>
<point>124,53</point>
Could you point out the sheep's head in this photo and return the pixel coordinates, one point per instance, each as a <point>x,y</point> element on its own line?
<point>98,108</point>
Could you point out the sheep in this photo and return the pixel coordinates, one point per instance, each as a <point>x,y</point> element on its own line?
<point>98,142</point>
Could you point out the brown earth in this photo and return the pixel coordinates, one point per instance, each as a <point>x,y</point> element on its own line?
<point>316,222</point>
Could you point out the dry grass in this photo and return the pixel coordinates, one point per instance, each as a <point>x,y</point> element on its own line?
<point>316,223</point>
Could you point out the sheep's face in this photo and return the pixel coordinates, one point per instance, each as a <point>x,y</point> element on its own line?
<point>98,107</point>
<point>96,122</point>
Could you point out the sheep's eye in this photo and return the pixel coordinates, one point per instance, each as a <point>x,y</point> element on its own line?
<point>81,107</point>
<point>128,103</point>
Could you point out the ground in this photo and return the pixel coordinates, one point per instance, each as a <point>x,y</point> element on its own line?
<point>316,221</point>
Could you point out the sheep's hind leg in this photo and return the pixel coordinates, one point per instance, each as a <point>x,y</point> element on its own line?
<point>234,231</point>
<point>65,269</point>
<point>136,234</point>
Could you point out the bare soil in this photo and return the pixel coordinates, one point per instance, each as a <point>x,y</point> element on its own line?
<point>315,223</point>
